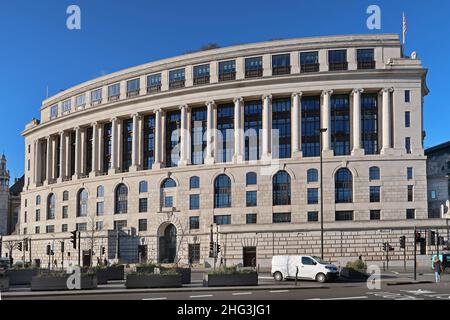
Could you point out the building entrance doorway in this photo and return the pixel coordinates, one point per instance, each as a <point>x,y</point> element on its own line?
<point>168,244</point>
<point>249,256</point>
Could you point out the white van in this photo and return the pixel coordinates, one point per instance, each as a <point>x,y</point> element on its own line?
<point>313,268</point>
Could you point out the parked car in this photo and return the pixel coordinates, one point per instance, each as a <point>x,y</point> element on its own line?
<point>312,268</point>
<point>4,263</point>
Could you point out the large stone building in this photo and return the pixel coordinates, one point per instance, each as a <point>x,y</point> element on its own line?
<point>152,151</point>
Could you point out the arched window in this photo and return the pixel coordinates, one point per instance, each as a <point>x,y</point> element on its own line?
<point>143,187</point>
<point>222,192</point>
<point>281,192</point>
<point>194,183</point>
<point>51,200</point>
<point>38,200</point>
<point>82,203</point>
<point>344,186</point>
<point>66,196</point>
<point>121,199</point>
<point>100,192</point>
<point>168,183</point>
<point>374,173</point>
<point>251,179</point>
<point>312,175</point>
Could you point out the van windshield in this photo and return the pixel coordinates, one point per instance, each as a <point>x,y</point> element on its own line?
<point>320,260</point>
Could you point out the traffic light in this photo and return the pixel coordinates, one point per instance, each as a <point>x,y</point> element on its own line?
<point>402,242</point>
<point>211,249</point>
<point>73,239</point>
<point>49,250</point>
<point>62,246</point>
<point>385,246</point>
<point>218,249</point>
<point>19,246</point>
<point>418,237</point>
<point>25,244</point>
<point>441,241</point>
<point>103,250</point>
<point>432,238</point>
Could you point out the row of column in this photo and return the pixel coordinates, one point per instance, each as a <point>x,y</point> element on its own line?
<point>48,155</point>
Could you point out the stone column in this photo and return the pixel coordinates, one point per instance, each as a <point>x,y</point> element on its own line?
<point>296,125</point>
<point>325,123</point>
<point>386,124</point>
<point>113,168</point>
<point>158,139</point>
<point>48,160</point>
<point>357,149</point>
<point>210,133</point>
<point>95,158</point>
<point>62,157</point>
<point>184,137</point>
<point>266,127</point>
<point>135,143</point>
<point>77,153</point>
<point>238,131</point>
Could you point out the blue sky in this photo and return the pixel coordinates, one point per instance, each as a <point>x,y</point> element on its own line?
<point>39,51</point>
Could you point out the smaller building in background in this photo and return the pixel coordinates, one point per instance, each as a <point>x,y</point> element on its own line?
<point>438,176</point>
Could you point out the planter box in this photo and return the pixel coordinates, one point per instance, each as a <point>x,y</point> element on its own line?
<point>21,276</point>
<point>60,283</point>
<point>110,273</point>
<point>185,274</point>
<point>145,269</point>
<point>226,280</point>
<point>4,284</point>
<point>349,273</point>
<point>135,281</point>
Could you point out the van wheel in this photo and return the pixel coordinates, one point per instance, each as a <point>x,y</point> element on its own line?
<point>278,276</point>
<point>320,277</point>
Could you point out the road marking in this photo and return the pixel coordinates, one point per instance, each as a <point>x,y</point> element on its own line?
<point>202,296</point>
<point>278,291</point>
<point>163,298</point>
<point>265,278</point>
<point>395,272</point>
<point>344,298</point>
<point>240,293</point>
<point>418,292</point>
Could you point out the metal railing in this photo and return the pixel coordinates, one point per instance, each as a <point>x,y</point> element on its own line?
<point>313,67</point>
<point>338,66</point>
<point>254,73</point>
<point>281,70</point>
<point>365,65</point>
<point>201,80</point>
<point>113,98</point>
<point>133,93</point>
<point>176,84</point>
<point>154,88</point>
<point>227,76</point>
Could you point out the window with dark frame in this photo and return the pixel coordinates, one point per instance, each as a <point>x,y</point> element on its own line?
<point>281,125</point>
<point>142,225</point>
<point>313,196</point>
<point>375,192</point>
<point>194,202</point>
<point>281,217</point>
<point>201,74</point>
<point>410,214</point>
<point>375,215</point>
<point>177,79</point>
<point>143,205</point>
<point>251,218</point>
<point>194,223</point>
<point>369,123</point>
<point>281,64</point>
<point>253,67</point>
<point>251,199</point>
<point>252,129</point>
<point>309,61</point>
<point>337,60</point>
<point>154,83</point>
<point>227,70</point>
<point>313,216</point>
<point>222,219</point>
<point>344,215</point>
<point>365,59</point>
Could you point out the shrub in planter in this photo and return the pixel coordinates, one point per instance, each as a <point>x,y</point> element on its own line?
<point>166,279</point>
<point>146,267</point>
<point>230,277</point>
<point>21,276</point>
<point>51,281</point>
<point>184,271</point>
<point>4,282</point>
<point>355,270</point>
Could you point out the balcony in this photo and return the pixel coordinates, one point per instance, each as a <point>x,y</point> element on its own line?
<point>254,73</point>
<point>229,76</point>
<point>131,94</point>
<point>176,84</point>
<point>113,98</point>
<point>154,88</point>
<point>306,68</point>
<point>338,66</point>
<point>281,70</point>
<point>366,65</point>
<point>201,80</point>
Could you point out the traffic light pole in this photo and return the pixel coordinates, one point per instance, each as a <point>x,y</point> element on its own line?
<point>415,254</point>
<point>79,249</point>
<point>29,251</point>
<point>387,255</point>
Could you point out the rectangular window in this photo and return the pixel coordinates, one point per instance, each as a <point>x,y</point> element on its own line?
<point>337,60</point>
<point>433,195</point>
<point>408,145</point>
<point>309,61</point>
<point>96,96</point>
<point>251,199</point>
<point>81,226</point>
<point>194,202</point>
<point>313,196</point>
<point>100,208</point>
<point>194,253</point>
<point>253,67</point>
<point>344,215</point>
<point>25,217</point>
<point>142,225</point>
<point>252,128</point>
<point>198,134</point>
<point>369,123</point>
<point>80,101</point>
<point>114,92</point>
<point>366,59</point>
<point>313,216</point>
<point>25,230</point>
<point>201,74</point>
<point>173,138</point>
<point>66,106</point>
<point>222,219</point>
<point>375,194</point>
<point>98,225</point>
<point>225,138</point>
<point>410,173</point>
<point>227,70</point>
<point>176,78</point>
<point>65,212</point>
<point>375,214</point>
<point>54,112</point>
<point>310,126</point>
<point>340,124</point>
<point>133,87</point>
<point>107,147</point>
<point>89,135</point>
<point>168,202</point>
<point>410,214</point>
<point>251,218</point>
<point>194,223</point>
<point>149,142</point>
<point>127,144</point>
<point>410,193</point>
<point>50,229</point>
<point>38,215</point>
<point>37,230</point>
<point>407,119</point>
<point>281,128</point>
<point>407,96</point>
<point>281,217</point>
<point>143,203</point>
<point>281,64</point>
<point>120,224</point>
<point>154,83</point>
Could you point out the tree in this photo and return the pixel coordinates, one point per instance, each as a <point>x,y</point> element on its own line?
<point>91,231</point>
<point>10,246</point>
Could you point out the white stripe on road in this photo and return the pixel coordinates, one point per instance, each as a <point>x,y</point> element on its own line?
<point>395,272</point>
<point>265,278</point>
<point>240,293</point>
<point>278,291</point>
<point>163,298</point>
<point>202,296</point>
<point>346,298</point>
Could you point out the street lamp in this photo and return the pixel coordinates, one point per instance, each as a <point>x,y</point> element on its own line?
<point>321,131</point>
